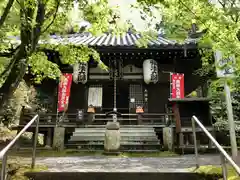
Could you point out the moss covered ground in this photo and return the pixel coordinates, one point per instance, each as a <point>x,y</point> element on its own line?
<point>17,166</point>
<point>216,171</point>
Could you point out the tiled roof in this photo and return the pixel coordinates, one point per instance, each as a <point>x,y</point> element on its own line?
<point>110,40</point>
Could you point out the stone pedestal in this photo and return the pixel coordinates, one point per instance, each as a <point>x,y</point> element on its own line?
<point>139,119</point>
<point>90,118</point>
<point>48,139</point>
<point>168,138</point>
<point>58,138</point>
<point>112,138</point>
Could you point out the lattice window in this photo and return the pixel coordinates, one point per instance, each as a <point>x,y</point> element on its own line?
<point>136,95</point>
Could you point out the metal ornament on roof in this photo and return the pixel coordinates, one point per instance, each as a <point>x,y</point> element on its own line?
<point>80,72</point>
<point>150,71</point>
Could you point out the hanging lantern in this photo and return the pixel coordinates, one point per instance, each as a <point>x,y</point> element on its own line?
<point>150,71</point>
<point>75,73</point>
<point>80,72</point>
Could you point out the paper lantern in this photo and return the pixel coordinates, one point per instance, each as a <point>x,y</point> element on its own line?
<point>80,73</point>
<point>150,71</point>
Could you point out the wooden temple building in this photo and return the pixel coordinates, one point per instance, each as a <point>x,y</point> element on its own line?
<point>138,86</point>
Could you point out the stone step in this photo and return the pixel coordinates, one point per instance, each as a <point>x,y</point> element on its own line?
<point>133,134</point>
<point>123,147</point>
<point>150,143</point>
<point>80,138</point>
<point>122,126</point>
<point>122,135</point>
<point>121,130</point>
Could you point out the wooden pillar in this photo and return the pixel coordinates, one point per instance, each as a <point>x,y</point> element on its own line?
<point>139,119</point>
<point>33,135</point>
<point>91,112</point>
<point>86,98</point>
<point>139,112</point>
<point>48,142</point>
<point>210,143</point>
<point>178,124</point>
<point>177,117</point>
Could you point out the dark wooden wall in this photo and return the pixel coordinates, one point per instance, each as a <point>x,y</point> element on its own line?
<point>77,98</point>
<point>200,109</point>
<point>158,95</point>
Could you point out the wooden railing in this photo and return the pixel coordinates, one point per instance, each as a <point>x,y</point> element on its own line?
<point>4,151</point>
<point>223,154</point>
<point>145,118</point>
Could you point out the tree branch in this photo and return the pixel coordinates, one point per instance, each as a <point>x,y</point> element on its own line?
<point>228,6</point>
<point>10,65</point>
<point>36,32</point>
<point>54,17</point>
<point>6,11</point>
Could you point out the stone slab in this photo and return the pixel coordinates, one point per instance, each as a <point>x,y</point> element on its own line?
<point>125,164</point>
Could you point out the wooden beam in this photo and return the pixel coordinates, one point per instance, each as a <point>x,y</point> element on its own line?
<point>177,117</point>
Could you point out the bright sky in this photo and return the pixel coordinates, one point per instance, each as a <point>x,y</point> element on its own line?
<point>127,13</point>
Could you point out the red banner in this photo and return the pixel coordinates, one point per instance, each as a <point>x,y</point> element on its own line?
<point>177,85</point>
<point>64,88</point>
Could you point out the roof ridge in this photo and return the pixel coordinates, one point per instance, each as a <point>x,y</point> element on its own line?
<point>128,39</point>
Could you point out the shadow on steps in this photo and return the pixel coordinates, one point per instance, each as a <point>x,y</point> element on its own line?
<point>117,176</point>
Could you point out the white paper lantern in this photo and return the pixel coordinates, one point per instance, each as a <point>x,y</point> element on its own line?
<point>75,73</point>
<point>150,71</point>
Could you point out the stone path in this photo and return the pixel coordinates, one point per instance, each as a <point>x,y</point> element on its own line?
<point>127,164</point>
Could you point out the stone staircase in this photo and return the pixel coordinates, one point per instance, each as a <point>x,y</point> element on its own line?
<point>123,168</point>
<point>132,139</point>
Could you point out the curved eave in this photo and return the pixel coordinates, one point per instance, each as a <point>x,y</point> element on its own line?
<point>111,41</point>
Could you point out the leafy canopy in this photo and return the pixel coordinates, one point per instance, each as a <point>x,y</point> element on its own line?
<point>56,19</point>
<point>218,27</point>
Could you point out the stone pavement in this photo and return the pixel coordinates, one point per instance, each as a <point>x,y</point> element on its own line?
<point>125,164</point>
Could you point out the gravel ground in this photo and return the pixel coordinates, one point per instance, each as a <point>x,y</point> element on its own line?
<point>125,164</point>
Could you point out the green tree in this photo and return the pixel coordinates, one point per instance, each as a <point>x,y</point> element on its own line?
<point>217,26</point>
<point>33,20</point>
<point>220,21</point>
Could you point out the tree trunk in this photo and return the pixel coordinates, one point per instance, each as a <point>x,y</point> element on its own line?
<point>29,41</point>
<point>6,12</point>
<point>15,76</point>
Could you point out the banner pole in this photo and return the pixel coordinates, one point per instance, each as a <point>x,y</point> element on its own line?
<point>170,84</point>
<point>56,123</point>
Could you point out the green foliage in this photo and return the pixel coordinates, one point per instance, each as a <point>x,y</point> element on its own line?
<point>42,67</point>
<point>69,54</point>
<point>218,103</point>
<point>215,172</point>
<point>221,24</point>
<point>14,105</point>
<point>221,21</point>
<point>36,19</point>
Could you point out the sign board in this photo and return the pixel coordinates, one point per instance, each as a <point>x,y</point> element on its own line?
<point>228,70</point>
<point>64,88</point>
<point>177,85</point>
<point>80,114</point>
<point>95,96</point>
